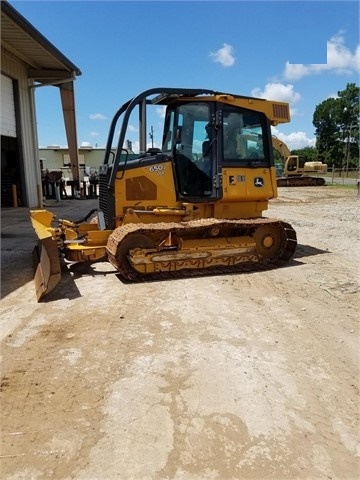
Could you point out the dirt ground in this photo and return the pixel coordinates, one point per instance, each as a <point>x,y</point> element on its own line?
<point>247,376</point>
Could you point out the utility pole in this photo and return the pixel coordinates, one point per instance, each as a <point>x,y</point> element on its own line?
<point>151,135</point>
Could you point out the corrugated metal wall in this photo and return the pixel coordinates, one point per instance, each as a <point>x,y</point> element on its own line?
<point>26,123</point>
<point>8,120</point>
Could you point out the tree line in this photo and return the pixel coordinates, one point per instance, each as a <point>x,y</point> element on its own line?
<point>336,122</point>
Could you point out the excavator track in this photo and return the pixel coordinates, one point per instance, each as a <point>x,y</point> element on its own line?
<point>304,181</point>
<point>249,254</point>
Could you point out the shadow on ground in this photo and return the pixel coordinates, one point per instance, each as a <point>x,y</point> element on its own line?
<point>67,288</point>
<point>308,251</point>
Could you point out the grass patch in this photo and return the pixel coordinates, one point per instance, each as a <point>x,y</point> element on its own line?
<point>345,186</point>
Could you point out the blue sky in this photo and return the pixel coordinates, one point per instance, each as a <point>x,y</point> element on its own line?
<point>298,52</point>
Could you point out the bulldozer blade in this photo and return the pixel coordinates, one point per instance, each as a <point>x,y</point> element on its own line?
<point>46,266</point>
<point>47,270</point>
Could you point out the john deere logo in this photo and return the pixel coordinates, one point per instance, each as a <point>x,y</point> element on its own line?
<point>259,182</point>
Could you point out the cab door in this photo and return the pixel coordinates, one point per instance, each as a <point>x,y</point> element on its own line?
<point>190,136</point>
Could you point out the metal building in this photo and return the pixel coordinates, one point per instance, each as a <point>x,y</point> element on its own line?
<point>29,61</point>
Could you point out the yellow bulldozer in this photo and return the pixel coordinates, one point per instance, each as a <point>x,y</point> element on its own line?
<point>295,170</point>
<point>192,206</point>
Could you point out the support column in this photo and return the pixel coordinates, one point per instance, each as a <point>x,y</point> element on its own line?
<point>68,106</point>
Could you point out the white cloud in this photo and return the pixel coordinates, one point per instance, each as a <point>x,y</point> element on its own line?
<point>224,56</point>
<point>280,93</point>
<point>340,59</point>
<point>294,140</point>
<point>97,116</point>
<point>94,134</point>
<point>277,91</point>
<point>295,71</point>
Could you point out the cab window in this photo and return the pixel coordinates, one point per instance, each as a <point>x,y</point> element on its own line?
<point>242,137</point>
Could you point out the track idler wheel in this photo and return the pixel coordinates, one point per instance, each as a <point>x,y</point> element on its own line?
<point>131,242</point>
<point>268,241</point>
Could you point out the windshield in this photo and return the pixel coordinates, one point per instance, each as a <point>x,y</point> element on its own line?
<point>243,133</point>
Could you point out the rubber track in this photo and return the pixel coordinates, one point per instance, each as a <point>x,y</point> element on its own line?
<point>283,255</point>
<point>300,182</point>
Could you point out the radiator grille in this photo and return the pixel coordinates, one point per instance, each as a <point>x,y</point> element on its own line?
<point>103,196</point>
<point>281,110</point>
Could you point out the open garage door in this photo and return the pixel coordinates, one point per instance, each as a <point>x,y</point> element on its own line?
<point>11,168</point>
<point>8,118</point>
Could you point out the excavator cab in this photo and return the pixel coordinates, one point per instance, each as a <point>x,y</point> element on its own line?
<point>294,165</point>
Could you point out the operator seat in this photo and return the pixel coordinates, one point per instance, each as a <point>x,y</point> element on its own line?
<point>205,148</point>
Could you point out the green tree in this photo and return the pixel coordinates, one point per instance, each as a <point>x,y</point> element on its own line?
<point>336,121</point>
<point>309,153</point>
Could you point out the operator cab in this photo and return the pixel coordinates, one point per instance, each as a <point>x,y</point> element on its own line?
<point>204,136</point>
<point>295,165</point>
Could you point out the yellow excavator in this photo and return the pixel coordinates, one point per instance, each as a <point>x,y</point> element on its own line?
<point>296,171</point>
<point>193,206</point>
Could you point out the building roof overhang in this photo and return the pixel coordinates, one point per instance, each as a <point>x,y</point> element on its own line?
<point>46,65</point>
